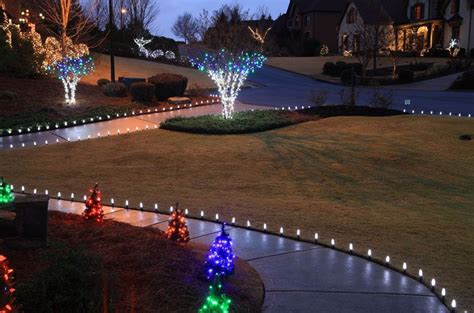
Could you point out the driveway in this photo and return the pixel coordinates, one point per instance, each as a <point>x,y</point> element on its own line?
<point>282,89</point>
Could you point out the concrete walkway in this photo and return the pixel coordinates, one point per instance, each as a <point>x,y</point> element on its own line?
<point>299,276</point>
<point>112,127</point>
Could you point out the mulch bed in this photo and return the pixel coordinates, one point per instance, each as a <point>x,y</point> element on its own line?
<point>151,273</point>
<point>40,100</point>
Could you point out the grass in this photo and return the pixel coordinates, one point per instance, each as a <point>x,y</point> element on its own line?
<point>140,270</point>
<point>128,67</point>
<point>400,185</point>
<point>241,123</point>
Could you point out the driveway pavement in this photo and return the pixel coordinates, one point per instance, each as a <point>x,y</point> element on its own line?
<point>282,89</point>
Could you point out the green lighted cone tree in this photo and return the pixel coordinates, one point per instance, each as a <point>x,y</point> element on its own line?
<point>216,301</point>
<point>6,195</point>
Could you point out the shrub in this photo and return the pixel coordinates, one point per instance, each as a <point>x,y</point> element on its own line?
<point>464,81</point>
<point>118,90</point>
<point>329,68</point>
<point>318,97</point>
<point>142,92</point>
<point>169,85</point>
<point>103,81</point>
<point>437,52</point>
<point>380,99</point>
<point>418,66</point>
<point>406,76</point>
<point>197,90</point>
<point>71,282</point>
<point>7,95</point>
<point>346,76</point>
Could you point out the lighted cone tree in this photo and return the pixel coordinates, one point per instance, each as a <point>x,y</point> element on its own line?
<point>229,71</point>
<point>6,195</point>
<point>177,228</point>
<point>216,301</point>
<point>94,209</point>
<point>220,259</point>
<point>70,70</point>
<point>6,286</point>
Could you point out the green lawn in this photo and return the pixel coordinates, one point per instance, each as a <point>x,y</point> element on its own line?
<point>401,185</point>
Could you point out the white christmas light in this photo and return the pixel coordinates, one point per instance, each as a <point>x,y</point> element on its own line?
<point>141,205</point>
<point>387,259</point>
<point>316,237</point>
<point>443,292</point>
<point>112,201</point>
<point>333,242</point>
<point>453,304</point>
<point>186,212</point>
<point>233,220</point>
<point>172,209</point>
<point>217,217</point>
<point>420,273</point>
<point>369,253</point>
<point>248,223</point>
<point>72,196</point>
<point>433,282</point>
<point>126,203</point>
<point>202,214</point>
<point>281,230</point>
<point>34,191</point>
<point>264,226</point>
<point>46,192</point>
<point>404,266</point>
<point>351,247</point>
<point>59,195</point>
<point>156,206</point>
<point>298,233</point>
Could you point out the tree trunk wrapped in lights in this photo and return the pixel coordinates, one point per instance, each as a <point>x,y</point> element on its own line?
<point>6,195</point>
<point>177,228</point>
<point>229,71</point>
<point>70,71</point>
<point>216,301</point>
<point>220,259</point>
<point>6,286</point>
<point>94,209</point>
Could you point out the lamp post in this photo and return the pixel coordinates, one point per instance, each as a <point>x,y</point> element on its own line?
<point>111,30</point>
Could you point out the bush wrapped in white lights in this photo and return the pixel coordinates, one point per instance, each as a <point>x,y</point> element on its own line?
<point>229,71</point>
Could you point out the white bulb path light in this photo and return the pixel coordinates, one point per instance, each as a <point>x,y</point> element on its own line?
<point>316,237</point>
<point>433,284</point>
<point>217,217</point>
<point>229,71</point>
<point>233,221</point>
<point>420,274</point>
<point>369,253</point>
<point>248,224</point>
<point>156,207</point>
<point>298,233</point>
<point>265,227</point>
<point>351,247</point>
<point>333,243</point>
<point>202,214</point>
<point>281,231</point>
<point>387,260</point>
<point>404,266</point>
<point>186,212</point>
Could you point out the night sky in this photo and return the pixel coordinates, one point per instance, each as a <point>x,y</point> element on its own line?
<point>170,9</point>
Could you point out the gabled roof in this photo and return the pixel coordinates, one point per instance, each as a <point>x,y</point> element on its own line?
<point>381,11</point>
<point>305,6</point>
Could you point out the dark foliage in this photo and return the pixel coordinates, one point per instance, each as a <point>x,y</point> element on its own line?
<point>464,81</point>
<point>406,76</point>
<point>169,85</point>
<point>336,69</point>
<point>102,82</point>
<point>118,90</point>
<point>142,92</point>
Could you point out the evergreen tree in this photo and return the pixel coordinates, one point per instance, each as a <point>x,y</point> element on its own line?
<point>6,195</point>
<point>94,205</point>
<point>6,286</point>
<point>177,228</point>
<point>216,301</point>
<point>220,259</point>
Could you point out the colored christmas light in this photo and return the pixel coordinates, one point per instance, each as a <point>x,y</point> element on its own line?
<point>220,259</point>
<point>216,301</point>
<point>177,228</point>
<point>70,70</point>
<point>94,209</point>
<point>6,286</point>
<point>229,71</point>
<point>6,195</point>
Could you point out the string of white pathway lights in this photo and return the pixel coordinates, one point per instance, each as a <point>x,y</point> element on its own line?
<point>67,124</point>
<point>155,126</point>
<point>440,293</point>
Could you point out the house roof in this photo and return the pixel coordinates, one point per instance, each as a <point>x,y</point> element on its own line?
<point>382,11</point>
<point>305,6</point>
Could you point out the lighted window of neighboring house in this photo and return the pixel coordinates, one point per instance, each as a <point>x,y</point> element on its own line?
<point>418,11</point>
<point>351,16</point>
<point>455,6</point>
<point>307,20</point>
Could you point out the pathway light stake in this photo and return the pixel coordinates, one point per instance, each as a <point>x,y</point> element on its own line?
<point>351,247</point>
<point>433,284</point>
<point>281,231</point>
<point>316,237</point>
<point>420,274</point>
<point>333,243</point>
<point>404,267</point>
<point>369,253</point>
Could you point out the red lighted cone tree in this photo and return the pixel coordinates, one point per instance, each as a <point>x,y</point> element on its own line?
<point>94,209</point>
<point>6,286</point>
<point>177,228</point>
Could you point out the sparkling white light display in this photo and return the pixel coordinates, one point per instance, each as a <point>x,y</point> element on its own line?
<point>70,70</point>
<point>141,43</point>
<point>229,71</point>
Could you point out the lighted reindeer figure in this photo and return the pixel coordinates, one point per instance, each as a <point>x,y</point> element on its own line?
<point>141,43</point>
<point>259,37</point>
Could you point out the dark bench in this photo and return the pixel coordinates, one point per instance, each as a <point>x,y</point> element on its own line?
<point>128,81</point>
<point>28,219</point>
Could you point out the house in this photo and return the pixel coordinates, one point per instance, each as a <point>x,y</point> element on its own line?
<point>459,23</point>
<point>315,20</point>
<point>415,25</point>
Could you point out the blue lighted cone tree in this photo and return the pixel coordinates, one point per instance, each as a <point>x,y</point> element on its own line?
<point>6,195</point>
<point>70,70</point>
<point>216,301</point>
<point>220,259</point>
<point>229,70</point>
